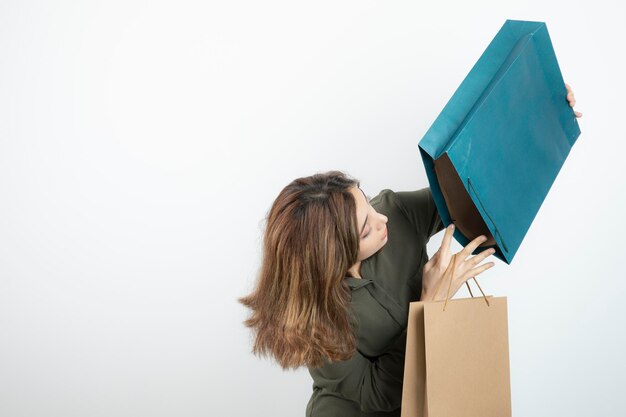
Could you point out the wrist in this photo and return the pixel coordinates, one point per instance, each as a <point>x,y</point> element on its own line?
<point>425,296</point>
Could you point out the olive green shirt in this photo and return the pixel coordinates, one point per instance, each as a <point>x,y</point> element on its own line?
<point>370,383</point>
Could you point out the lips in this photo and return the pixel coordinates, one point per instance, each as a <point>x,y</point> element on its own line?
<point>385,235</point>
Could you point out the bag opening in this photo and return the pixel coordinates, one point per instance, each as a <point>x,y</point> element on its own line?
<point>463,212</point>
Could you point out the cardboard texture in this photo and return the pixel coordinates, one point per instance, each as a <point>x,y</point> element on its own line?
<point>495,150</point>
<point>457,360</point>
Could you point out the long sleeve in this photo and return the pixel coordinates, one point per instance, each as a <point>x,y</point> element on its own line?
<point>420,208</point>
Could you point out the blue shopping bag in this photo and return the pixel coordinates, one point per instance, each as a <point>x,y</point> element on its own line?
<point>493,153</point>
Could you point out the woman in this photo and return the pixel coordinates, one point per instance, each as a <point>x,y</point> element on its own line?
<point>337,277</point>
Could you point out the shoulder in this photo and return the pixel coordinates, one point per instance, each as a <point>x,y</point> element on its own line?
<point>386,202</point>
<point>411,204</point>
<point>385,197</point>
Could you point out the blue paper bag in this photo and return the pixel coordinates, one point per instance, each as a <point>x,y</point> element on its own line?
<point>493,153</point>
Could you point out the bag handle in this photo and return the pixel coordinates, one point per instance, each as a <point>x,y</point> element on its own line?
<point>468,287</point>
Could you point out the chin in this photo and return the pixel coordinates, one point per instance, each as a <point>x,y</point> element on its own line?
<point>381,246</point>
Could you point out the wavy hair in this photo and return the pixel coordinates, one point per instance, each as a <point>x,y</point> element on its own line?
<point>300,305</point>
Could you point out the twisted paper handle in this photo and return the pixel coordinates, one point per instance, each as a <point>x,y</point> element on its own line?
<point>452,268</point>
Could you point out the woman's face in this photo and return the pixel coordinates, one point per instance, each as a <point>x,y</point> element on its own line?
<point>372,226</point>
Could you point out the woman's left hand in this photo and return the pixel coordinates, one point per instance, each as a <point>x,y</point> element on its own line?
<point>572,100</point>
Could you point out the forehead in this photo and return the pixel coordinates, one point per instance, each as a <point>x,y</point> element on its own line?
<point>361,204</point>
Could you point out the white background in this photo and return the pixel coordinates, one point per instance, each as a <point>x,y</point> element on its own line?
<point>142,143</point>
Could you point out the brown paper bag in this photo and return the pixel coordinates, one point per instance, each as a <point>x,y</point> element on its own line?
<point>457,360</point>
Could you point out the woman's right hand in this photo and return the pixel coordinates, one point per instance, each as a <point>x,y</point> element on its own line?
<point>466,267</point>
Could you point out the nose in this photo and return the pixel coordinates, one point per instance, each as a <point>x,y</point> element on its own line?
<point>383,219</point>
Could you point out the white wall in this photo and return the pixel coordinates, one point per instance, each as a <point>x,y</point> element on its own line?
<point>142,142</point>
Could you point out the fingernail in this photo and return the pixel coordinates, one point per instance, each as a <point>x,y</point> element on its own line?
<point>451,226</point>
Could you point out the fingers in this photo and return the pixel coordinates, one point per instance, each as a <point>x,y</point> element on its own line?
<point>474,272</point>
<point>570,96</point>
<point>571,99</point>
<point>449,291</point>
<point>467,250</point>
<point>475,260</point>
<point>447,238</point>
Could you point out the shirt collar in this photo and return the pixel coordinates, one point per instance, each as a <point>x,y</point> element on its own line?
<point>356,283</point>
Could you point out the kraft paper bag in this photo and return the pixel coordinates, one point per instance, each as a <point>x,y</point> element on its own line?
<point>495,150</point>
<point>457,360</point>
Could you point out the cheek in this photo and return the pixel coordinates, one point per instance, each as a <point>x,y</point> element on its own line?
<point>363,249</point>
<point>366,249</point>
<point>370,248</point>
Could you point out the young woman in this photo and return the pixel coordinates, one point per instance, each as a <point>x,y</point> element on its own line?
<point>337,277</point>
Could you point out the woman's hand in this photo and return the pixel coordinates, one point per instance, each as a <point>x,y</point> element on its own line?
<point>572,100</point>
<point>437,268</point>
